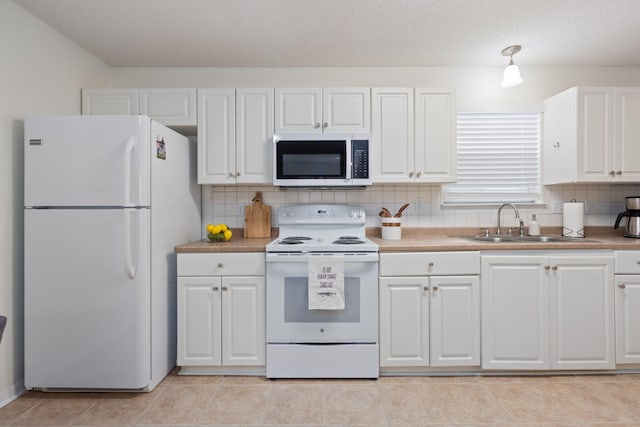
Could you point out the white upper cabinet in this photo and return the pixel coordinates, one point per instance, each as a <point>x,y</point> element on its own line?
<point>414,135</point>
<point>216,136</point>
<point>323,110</point>
<point>591,135</point>
<point>254,135</point>
<point>627,133</point>
<point>110,101</point>
<point>435,135</point>
<point>393,141</point>
<point>171,107</point>
<point>235,134</point>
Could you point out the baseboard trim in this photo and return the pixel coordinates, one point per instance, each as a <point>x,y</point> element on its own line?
<point>11,393</point>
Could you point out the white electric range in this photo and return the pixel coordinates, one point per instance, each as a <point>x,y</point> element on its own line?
<point>313,343</point>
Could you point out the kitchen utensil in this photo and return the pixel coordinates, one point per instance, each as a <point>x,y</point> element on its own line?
<point>257,218</point>
<point>402,208</point>
<point>385,213</point>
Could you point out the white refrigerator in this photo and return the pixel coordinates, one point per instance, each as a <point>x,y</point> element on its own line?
<point>107,198</point>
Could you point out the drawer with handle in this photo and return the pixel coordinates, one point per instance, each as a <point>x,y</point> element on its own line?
<point>225,264</point>
<point>627,262</point>
<point>429,263</point>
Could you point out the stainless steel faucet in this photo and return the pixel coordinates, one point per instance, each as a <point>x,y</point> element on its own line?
<point>515,209</point>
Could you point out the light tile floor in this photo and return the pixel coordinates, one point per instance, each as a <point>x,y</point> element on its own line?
<point>603,400</point>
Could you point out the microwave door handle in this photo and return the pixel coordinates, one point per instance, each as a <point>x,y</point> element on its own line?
<point>349,163</point>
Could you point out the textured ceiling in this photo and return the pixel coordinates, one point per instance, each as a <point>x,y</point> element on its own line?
<point>311,33</point>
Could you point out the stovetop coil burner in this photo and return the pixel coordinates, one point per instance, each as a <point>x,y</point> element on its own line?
<point>294,240</point>
<point>348,240</point>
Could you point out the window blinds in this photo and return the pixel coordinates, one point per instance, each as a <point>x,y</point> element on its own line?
<point>498,159</point>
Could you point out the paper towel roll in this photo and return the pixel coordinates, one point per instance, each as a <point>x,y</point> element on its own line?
<point>573,219</point>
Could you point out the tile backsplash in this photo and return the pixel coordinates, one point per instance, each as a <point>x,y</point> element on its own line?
<point>602,204</point>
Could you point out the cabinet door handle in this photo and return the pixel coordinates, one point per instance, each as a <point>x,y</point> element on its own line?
<point>317,125</point>
<point>431,265</point>
<point>231,174</point>
<point>325,125</point>
<point>554,268</point>
<point>224,288</point>
<point>556,145</point>
<point>426,289</point>
<point>219,265</point>
<point>612,173</point>
<point>434,288</point>
<point>419,174</point>
<point>410,174</point>
<point>622,286</point>
<point>237,173</point>
<point>619,173</point>
<point>547,267</point>
<point>215,288</point>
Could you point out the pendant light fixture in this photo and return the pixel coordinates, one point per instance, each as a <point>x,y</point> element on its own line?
<point>511,75</point>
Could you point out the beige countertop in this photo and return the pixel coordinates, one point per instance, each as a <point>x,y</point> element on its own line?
<point>435,239</point>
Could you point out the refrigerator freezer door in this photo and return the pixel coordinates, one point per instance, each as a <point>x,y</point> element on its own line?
<point>87,161</point>
<point>87,298</point>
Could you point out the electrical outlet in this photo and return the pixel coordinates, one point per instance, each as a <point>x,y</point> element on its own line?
<point>556,207</point>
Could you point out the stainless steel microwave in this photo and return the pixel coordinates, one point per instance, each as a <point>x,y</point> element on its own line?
<point>326,160</point>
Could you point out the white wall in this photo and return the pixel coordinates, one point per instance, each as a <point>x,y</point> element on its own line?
<point>475,86</point>
<point>42,73</point>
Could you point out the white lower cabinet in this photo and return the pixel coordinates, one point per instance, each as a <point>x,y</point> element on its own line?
<point>221,309</point>
<point>627,298</point>
<point>428,316</point>
<point>544,311</point>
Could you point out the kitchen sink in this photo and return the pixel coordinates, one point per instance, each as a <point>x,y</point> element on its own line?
<point>526,239</point>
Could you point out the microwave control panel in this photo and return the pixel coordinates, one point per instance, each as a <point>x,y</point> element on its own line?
<point>360,158</point>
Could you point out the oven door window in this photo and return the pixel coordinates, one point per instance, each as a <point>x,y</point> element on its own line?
<point>311,159</point>
<point>296,303</point>
<point>290,320</point>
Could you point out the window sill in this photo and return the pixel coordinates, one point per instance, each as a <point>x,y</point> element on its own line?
<point>491,206</point>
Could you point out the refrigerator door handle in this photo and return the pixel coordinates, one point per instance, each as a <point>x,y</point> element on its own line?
<point>129,260</point>
<point>128,155</point>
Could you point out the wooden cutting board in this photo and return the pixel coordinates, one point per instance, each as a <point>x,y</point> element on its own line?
<point>257,218</point>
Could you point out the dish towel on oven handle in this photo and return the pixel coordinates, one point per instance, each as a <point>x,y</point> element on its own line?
<point>326,282</point>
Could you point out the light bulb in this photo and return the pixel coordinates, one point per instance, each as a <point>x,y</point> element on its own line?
<point>511,76</point>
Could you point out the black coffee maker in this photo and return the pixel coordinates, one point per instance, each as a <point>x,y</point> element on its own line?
<point>633,217</point>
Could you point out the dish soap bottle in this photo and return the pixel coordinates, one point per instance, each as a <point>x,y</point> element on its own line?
<point>534,227</point>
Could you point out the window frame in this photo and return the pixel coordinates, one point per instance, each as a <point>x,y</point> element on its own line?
<point>453,199</point>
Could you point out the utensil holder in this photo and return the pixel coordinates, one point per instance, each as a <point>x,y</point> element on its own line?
<point>391,228</point>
